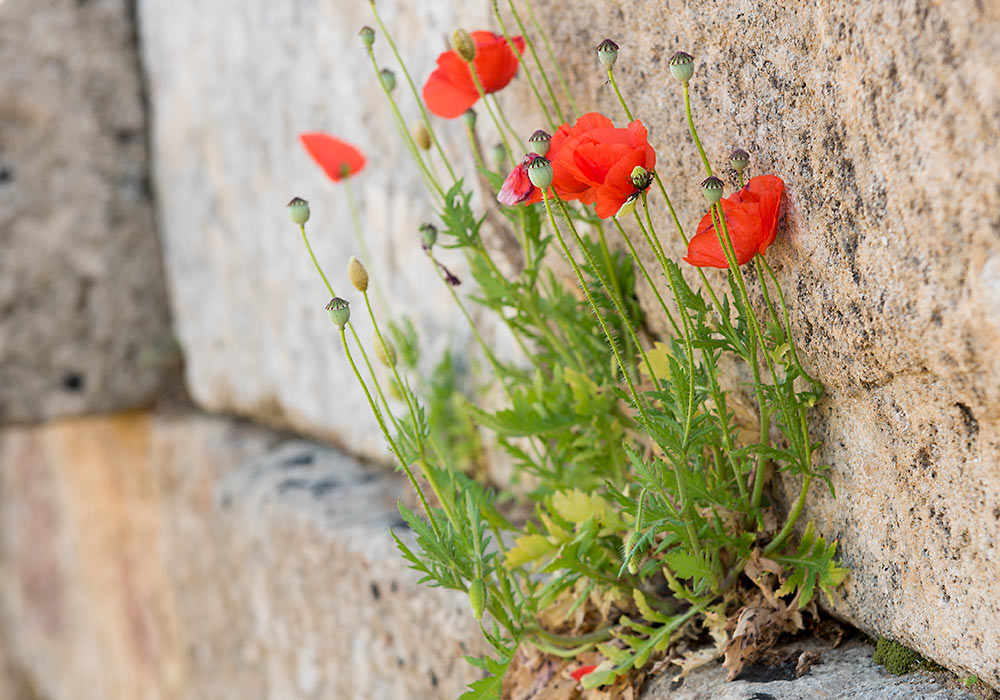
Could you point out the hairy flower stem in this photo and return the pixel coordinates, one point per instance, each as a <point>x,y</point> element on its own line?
<point>524,66</point>
<point>424,117</point>
<point>621,100</point>
<point>534,54</point>
<point>552,55</point>
<point>694,132</point>
<point>593,305</point>
<point>493,116</point>
<point>611,292</point>
<point>405,133</point>
<point>392,443</point>
<point>646,276</point>
<point>408,397</point>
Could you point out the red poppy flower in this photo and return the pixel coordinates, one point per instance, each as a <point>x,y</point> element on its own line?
<point>517,186</point>
<point>751,218</point>
<point>582,671</point>
<point>338,158</point>
<point>449,90</point>
<point>592,161</point>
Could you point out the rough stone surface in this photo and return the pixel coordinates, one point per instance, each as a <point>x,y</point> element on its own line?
<point>884,126</point>
<point>140,560</point>
<point>845,673</point>
<point>232,84</point>
<point>83,313</point>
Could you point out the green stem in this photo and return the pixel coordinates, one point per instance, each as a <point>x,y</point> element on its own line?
<point>388,437</point>
<point>648,278</point>
<point>493,116</point>
<point>507,124</point>
<point>621,100</point>
<point>552,56</point>
<point>424,116</point>
<point>524,67</point>
<point>694,132</point>
<point>534,54</point>
<point>790,521</point>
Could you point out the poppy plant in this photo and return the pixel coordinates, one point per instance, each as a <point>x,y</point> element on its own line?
<point>338,159</point>
<point>751,219</point>
<point>450,90</point>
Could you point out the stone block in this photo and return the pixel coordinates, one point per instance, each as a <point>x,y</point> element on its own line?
<point>83,313</point>
<point>151,556</point>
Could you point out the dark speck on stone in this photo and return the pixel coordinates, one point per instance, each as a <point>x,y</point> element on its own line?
<point>761,696</point>
<point>72,381</point>
<point>323,487</point>
<point>301,460</point>
<point>766,674</point>
<point>292,484</point>
<point>376,593</point>
<point>6,175</point>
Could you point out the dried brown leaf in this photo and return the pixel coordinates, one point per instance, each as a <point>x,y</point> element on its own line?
<point>807,660</point>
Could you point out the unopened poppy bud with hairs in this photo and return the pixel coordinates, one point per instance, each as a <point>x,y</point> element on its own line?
<point>469,117</point>
<point>463,44</point>
<point>421,136</point>
<point>298,211</point>
<point>357,273</point>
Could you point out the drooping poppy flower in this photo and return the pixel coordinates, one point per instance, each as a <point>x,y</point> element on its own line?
<point>582,671</point>
<point>338,158</point>
<point>751,219</point>
<point>517,186</point>
<point>449,90</point>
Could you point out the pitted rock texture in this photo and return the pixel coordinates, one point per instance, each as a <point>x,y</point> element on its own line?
<point>844,673</point>
<point>151,556</point>
<point>885,127</point>
<point>83,313</point>
<point>232,84</point>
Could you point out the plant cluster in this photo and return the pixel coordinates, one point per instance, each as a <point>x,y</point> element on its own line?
<point>645,473</point>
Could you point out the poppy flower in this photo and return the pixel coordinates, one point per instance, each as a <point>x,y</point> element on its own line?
<point>450,90</point>
<point>517,186</point>
<point>338,158</point>
<point>582,671</point>
<point>751,219</point>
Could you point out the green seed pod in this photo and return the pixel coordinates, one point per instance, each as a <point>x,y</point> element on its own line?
<point>607,53</point>
<point>538,142</point>
<point>340,311</point>
<point>712,188</point>
<point>388,79</point>
<point>463,44</point>
<point>358,275</point>
<point>298,211</point>
<point>641,178</point>
<point>421,136</point>
<point>367,35</point>
<point>386,355</point>
<point>428,235</point>
<point>540,172</point>
<point>682,66</point>
<point>739,159</point>
<point>469,117</point>
<point>638,553</point>
<point>477,598</point>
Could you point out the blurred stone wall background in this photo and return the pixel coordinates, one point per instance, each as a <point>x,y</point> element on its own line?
<point>146,152</point>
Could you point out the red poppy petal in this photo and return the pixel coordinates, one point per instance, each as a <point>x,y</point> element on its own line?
<point>769,189</point>
<point>595,160</point>
<point>517,187</point>
<point>495,63</point>
<point>592,120</point>
<point>445,98</point>
<point>618,187</point>
<point>582,671</point>
<point>332,154</point>
<point>744,226</point>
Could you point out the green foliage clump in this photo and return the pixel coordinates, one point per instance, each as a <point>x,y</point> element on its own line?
<point>896,658</point>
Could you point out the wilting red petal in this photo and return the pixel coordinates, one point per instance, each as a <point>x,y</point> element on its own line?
<point>336,157</point>
<point>450,90</point>
<point>582,671</point>
<point>517,187</point>
<point>751,218</point>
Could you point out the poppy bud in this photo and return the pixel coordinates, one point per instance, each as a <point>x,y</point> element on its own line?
<point>538,142</point>
<point>498,154</point>
<point>388,79</point>
<point>540,172</point>
<point>298,211</point>
<point>607,53</point>
<point>712,187</point>
<point>357,273</point>
<point>385,354</point>
<point>428,235</point>
<point>340,311</point>
<point>463,44</point>
<point>477,598</point>
<point>469,117</point>
<point>641,178</point>
<point>682,66</point>
<point>421,136</point>
<point>367,35</point>
<point>739,159</point>
<point>637,553</point>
